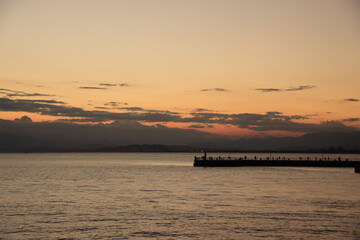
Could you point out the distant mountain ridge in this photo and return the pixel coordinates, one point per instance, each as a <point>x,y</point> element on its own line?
<point>148,148</point>
<point>315,142</point>
<point>349,141</point>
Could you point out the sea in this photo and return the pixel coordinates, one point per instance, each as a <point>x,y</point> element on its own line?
<point>162,196</point>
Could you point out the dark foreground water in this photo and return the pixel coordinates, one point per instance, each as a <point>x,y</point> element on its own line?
<point>161,196</point>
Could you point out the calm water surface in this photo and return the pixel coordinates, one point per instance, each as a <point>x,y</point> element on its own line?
<point>161,196</point>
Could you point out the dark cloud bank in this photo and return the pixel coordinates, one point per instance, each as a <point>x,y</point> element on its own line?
<point>258,122</point>
<point>22,133</point>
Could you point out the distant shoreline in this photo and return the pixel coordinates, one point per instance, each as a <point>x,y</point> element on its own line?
<point>157,148</point>
<point>194,152</point>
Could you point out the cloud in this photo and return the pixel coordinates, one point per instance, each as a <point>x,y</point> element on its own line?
<point>142,110</point>
<point>299,88</point>
<point>115,104</point>
<point>43,101</point>
<point>96,116</point>
<point>351,100</point>
<point>161,111</point>
<point>92,88</point>
<point>269,89</point>
<point>269,121</point>
<point>132,108</point>
<point>108,84</point>
<point>23,119</point>
<point>202,110</point>
<point>21,83</point>
<point>196,126</point>
<point>214,90</point>
<point>13,93</point>
<point>200,126</point>
<point>351,120</point>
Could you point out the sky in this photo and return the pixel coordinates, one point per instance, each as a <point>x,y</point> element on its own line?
<point>241,68</point>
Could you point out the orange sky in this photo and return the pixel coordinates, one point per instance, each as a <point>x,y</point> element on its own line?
<point>230,57</point>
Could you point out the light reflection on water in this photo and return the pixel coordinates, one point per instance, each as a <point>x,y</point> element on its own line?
<point>161,196</point>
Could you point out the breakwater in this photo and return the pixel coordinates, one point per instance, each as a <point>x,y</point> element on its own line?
<point>271,162</point>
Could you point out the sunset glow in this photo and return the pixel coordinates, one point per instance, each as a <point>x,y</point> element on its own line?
<point>243,68</point>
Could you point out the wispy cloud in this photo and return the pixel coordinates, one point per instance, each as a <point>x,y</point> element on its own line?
<point>114,85</point>
<point>21,83</point>
<point>142,110</point>
<point>214,90</point>
<point>13,93</point>
<point>115,104</point>
<point>108,84</point>
<point>43,101</point>
<point>290,89</point>
<point>351,100</point>
<point>269,89</point>
<point>300,88</point>
<point>95,88</point>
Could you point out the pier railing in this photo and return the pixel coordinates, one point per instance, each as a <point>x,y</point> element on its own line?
<point>270,158</point>
<point>274,162</point>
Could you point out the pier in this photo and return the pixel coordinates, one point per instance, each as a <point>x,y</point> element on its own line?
<point>205,161</point>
